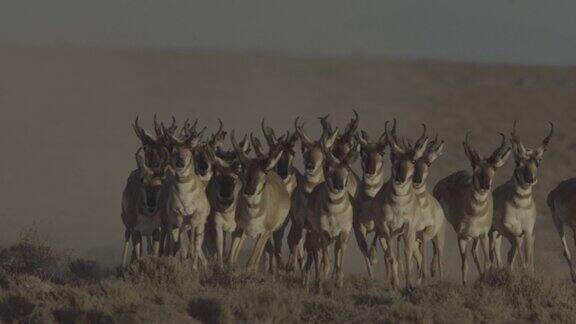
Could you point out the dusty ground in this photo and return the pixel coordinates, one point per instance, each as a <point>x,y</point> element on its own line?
<point>38,286</point>
<point>67,145</point>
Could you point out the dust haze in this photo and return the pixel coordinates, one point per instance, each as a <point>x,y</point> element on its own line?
<point>68,147</point>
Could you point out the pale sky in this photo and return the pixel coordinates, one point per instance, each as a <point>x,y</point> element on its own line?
<point>517,31</point>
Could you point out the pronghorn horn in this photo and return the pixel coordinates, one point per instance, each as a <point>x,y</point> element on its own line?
<point>142,134</point>
<point>257,146</point>
<point>469,150</point>
<point>239,152</point>
<point>326,127</point>
<point>546,140</point>
<point>501,150</point>
<point>421,141</point>
<point>391,137</point>
<point>141,162</point>
<point>300,131</point>
<point>352,125</point>
<point>516,141</point>
<point>268,134</point>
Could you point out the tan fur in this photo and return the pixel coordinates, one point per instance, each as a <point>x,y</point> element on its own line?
<point>514,206</point>
<point>468,205</point>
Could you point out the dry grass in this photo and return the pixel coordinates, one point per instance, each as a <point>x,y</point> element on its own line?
<point>37,288</point>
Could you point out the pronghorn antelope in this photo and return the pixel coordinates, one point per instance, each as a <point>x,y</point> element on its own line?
<point>467,202</point>
<point>330,217</point>
<point>287,172</point>
<point>202,162</point>
<point>343,144</point>
<point>372,161</point>
<point>431,224</point>
<point>143,199</point>
<point>263,204</point>
<point>562,204</point>
<point>514,207</point>
<point>223,192</point>
<point>313,175</point>
<point>395,207</point>
<point>187,206</point>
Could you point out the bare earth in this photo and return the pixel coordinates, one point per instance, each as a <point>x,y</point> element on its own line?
<point>67,145</point>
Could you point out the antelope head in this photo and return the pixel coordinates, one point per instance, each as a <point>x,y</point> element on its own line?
<point>403,156</point>
<point>528,160</point>
<point>337,172</point>
<point>151,181</point>
<point>433,150</point>
<point>484,169</point>
<point>183,147</point>
<point>372,155</point>
<point>286,144</point>
<point>345,141</point>
<point>153,146</point>
<point>254,170</point>
<point>312,150</point>
<point>202,161</point>
<point>228,171</point>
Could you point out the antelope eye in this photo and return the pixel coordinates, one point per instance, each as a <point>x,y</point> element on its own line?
<point>413,161</point>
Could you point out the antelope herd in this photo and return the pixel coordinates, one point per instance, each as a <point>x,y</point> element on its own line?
<point>188,196</point>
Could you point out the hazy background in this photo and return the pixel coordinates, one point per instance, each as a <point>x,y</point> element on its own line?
<point>74,75</point>
<point>517,31</point>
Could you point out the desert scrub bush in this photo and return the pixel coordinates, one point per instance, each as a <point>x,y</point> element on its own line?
<point>27,258</point>
<point>531,296</point>
<point>162,273</point>
<point>85,271</point>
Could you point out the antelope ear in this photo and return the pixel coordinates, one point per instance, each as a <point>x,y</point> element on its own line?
<point>272,160</point>
<point>329,141</point>
<point>420,148</point>
<point>503,158</point>
<point>436,153</point>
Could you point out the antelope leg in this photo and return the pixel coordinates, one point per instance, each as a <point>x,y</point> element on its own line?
<point>126,247</point>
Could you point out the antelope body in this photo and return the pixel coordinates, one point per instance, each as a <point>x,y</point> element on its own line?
<point>430,224</point>
<point>187,206</point>
<point>330,218</point>
<point>372,158</point>
<point>562,204</point>
<point>144,197</point>
<point>263,204</point>
<point>396,207</point>
<point>514,207</point>
<point>468,205</point>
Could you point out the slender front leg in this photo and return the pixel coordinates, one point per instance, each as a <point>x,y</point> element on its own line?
<point>387,263</point>
<point>476,256</point>
<point>360,234</point>
<point>496,249</point>
<point>220,246</point>
<point>514,249</point>
<point>438,242</point>
<point>409,244</point>
<point>485,244</point>
<point>126,247</point>
<point>137,245</point>
<point>278,237</point>
<point>560,229</point>
<point>254,260</point>
<point>529,247</point>
<point>341,244</point>
<point>391,243</point>
<point>156,243</point>
<point>238,237</point>
<point>198,252</point>
<point>463,255</point>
